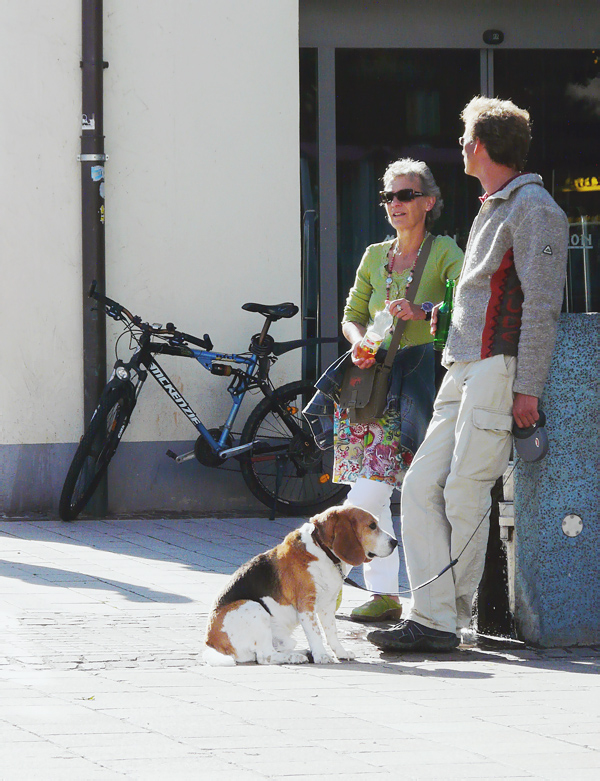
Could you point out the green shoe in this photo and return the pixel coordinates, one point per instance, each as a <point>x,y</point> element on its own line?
<point>380,608</point>
<point>339,601</point>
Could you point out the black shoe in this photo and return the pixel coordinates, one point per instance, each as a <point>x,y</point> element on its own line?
<point>410,636</point>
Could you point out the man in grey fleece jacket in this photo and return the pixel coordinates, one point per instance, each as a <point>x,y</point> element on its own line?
<point>506,309</point>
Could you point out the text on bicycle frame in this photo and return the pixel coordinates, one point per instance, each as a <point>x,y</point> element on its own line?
<point>173,393</point>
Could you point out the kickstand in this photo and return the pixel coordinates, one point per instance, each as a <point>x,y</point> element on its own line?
<point>278,475</point>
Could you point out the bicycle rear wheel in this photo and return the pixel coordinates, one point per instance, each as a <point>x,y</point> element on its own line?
<point>286,470</point>
<point>97,447</point>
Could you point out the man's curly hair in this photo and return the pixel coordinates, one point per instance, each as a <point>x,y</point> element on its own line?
<point>504,129</point>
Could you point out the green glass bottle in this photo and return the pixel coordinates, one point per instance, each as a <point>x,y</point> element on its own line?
<point>444,316</point>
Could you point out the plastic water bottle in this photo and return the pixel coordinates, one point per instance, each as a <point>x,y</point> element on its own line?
<point>444,316</point>
<point>376,333</point>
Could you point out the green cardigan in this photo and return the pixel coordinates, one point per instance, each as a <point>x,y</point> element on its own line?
<point>367,295</point>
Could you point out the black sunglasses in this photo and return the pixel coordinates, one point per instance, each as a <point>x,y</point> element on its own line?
<point>402,196</point>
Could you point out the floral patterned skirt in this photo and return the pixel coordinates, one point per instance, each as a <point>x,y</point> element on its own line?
<point>372,451</point>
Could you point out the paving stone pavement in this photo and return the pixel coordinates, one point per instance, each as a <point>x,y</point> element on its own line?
<point>101,676</point>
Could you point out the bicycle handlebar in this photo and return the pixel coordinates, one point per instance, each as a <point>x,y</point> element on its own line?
<point>118,312</point>
<point>205,343</point>
<point>116,309</point>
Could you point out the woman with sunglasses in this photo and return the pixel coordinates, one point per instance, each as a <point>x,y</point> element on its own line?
<point>373,458</point>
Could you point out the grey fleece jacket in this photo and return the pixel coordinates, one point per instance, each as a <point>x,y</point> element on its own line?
<point>510,291</point>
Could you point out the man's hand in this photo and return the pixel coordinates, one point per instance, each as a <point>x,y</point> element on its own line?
<point>525,410</point>
<point>434,313</point>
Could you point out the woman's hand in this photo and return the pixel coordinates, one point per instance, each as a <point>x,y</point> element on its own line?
<point>354,333</point>
<point>362,363</point>
<point>404,310</point>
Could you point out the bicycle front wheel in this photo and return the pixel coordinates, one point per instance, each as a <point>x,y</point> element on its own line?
<point>97,447</point>
<point>285,469</point>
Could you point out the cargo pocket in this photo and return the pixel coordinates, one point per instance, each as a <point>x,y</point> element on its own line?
<point>485,451</point>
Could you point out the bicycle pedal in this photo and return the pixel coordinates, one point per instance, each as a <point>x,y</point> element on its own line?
<point>180,459</point>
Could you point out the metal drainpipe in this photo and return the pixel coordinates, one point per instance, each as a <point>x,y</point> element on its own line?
<point>92,160</point>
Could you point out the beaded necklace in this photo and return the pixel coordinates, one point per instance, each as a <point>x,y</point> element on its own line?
<point>391,264</point>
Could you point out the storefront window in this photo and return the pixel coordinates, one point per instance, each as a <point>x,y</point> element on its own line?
<point>391,104</point>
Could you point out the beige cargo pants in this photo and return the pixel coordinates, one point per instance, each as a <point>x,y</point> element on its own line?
<point>446,491</point>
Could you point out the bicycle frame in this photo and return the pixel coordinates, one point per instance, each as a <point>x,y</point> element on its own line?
<point>242,381</point>
<point>296,480</point>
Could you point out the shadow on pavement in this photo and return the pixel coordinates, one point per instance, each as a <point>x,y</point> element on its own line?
<point>60,578</point>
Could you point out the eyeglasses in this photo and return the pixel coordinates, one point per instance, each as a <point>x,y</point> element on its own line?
<point>402,196</point>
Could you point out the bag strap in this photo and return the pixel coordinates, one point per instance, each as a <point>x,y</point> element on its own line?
<point>417,273</point>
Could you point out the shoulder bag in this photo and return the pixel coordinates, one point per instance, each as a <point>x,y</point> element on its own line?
<point>364,391</point>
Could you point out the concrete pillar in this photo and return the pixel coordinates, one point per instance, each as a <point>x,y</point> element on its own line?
<point>556,502</point>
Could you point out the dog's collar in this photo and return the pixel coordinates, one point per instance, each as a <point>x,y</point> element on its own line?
<point>328,552</point>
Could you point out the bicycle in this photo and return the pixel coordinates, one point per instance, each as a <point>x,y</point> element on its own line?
<point>279,460</point>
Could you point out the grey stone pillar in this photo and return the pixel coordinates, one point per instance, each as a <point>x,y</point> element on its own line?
<point>556,502</point>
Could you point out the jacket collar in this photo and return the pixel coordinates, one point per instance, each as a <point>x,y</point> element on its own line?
<point>514,184</point>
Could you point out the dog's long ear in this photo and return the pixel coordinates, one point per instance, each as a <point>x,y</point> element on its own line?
<point>325,523</point>
<point>346,544</point>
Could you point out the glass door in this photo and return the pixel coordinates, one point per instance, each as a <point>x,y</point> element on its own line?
<point>561,90</point>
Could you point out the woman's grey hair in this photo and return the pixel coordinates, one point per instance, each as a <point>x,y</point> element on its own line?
<point>417,169</point>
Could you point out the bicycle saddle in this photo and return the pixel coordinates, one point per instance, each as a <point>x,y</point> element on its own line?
<point>274,311</point>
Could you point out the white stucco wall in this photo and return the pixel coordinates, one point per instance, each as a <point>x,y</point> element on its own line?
<point>40,237</point>
<point>202,195</point>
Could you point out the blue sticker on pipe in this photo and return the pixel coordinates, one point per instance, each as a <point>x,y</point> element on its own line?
<point>97,172</point>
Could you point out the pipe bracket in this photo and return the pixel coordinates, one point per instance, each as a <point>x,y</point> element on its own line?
<point>91,158</point>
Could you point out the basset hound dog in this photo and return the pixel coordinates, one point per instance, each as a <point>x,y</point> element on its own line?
<point>297,582</point>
